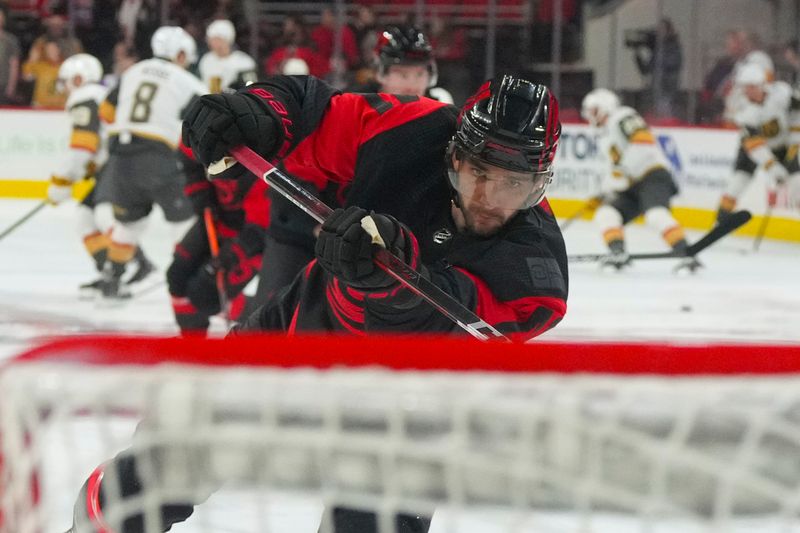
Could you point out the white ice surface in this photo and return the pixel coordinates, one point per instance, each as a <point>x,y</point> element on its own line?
<point>739,296</point>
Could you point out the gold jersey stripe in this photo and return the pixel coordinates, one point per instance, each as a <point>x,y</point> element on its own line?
<point>107,112</point>
<point>84,139</point>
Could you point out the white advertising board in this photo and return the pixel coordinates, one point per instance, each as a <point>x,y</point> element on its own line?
<point>32,143</point>
<point>701,159</point>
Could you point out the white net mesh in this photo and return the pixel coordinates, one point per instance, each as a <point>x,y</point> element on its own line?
<point>267,449</point>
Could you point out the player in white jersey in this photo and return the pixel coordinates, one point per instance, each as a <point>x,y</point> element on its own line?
<point>770,133</point>
<point>144,166</point>
<point>639,181</point>
<point>80,77</point>
<point>222,67</point>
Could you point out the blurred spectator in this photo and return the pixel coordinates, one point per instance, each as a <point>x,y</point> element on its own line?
<point>543,26</point>
<point>9,62</point>
<point>138,19</point>
<point>659,58</point>
<point>102,33</point>
<point>123,57</point>
<point>788,62</point>
<point>324,38</point>
<point>294,42</point>
<point>56,30</point>
<point>450,50</point>
<point>365,28</point>
<point>42,69</point>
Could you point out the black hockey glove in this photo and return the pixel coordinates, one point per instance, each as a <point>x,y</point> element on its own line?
<point>346,250</point>
<point>215,123</point>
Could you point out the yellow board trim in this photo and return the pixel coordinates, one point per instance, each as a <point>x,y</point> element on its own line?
<point>37,190</point>
<point>642,137</point>
<point>779,228</point>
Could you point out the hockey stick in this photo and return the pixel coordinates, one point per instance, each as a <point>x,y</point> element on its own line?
<point>390,263</point>
<point>590,205</point>
<point>762,229</point>
<point>729,225</point>
<point>213,244</point>
<point>24,218</point>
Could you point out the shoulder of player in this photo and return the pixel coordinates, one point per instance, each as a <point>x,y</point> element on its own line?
<point>383,103</point>
<point>780,91</point>
<point>205,60</point>
<point>89,94</point>
<point>622,113</point>
<point>242,58</point>
<point>380,112</point>
<point>440,94</point>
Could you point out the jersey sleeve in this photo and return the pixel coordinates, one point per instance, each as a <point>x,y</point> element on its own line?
<point>108,107</point>
<point>84,140</point>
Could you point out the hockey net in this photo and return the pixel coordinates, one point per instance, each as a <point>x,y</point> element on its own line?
<point>270,434</point>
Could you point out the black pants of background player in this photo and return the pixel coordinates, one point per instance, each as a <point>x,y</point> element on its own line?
<point>655,190</point>
<point>191,280</point>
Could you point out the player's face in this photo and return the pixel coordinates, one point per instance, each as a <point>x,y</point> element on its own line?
<point>219,46</point>
<point>406,79</point>
<point>754,93</point>
<point>491,195</point>
<point>594,116</point>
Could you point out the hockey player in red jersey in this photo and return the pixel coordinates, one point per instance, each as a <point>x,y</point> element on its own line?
<point>458,196</point>
<point>405,65</point>
<point>240,211</point>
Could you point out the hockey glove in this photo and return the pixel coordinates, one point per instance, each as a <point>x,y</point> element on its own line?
<point>776,174</point>
<point>346,249</point>
<point>215,123</point>
<point>60,189</point>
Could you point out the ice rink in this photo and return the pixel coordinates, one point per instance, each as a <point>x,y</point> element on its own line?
<point>738,296</point>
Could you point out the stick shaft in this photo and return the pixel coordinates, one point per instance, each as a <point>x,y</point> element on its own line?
<point>390,263</point>
<point>213,244</point>
<point>762,229</point>
<point>24,219</point>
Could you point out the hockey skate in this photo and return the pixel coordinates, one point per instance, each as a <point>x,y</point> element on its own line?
<point>688,265</point>
<point>143,269</point>
<point>618,259</point>
<point>90,290</point>
<point>111,287</point>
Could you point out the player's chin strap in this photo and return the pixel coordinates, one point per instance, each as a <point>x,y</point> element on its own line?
<point>390,263</point>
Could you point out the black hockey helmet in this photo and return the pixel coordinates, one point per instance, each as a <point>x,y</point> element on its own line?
<point>404,45</point>
<point>513,124</point>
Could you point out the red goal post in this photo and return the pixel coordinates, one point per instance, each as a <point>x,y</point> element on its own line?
<point>566,436</point>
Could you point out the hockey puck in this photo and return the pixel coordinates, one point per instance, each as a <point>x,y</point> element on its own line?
<point>686,308</point>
